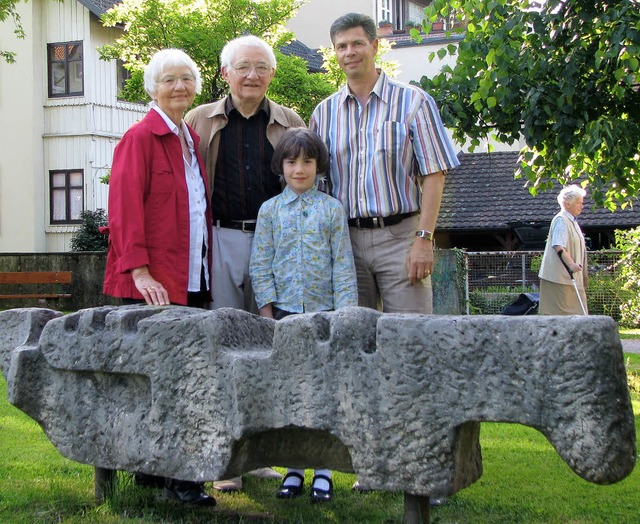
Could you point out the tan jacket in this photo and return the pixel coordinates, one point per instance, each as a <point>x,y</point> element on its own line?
<point>551,268</point>
<point>209,119</point>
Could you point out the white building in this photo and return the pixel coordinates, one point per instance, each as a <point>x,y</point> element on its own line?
<point>60,120</point>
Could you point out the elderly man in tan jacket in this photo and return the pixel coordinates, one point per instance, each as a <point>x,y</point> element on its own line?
<point>237,138</point>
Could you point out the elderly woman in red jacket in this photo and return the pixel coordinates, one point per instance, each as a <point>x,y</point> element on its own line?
<point>159,222</point>
<point>159,213</point>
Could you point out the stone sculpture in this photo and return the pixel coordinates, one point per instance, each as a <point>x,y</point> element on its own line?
<point>398,399</point>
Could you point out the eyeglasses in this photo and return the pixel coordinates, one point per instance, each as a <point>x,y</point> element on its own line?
<point>171,80</point>
<point>261,70</point>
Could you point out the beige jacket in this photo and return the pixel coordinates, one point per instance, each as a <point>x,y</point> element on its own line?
<point>209,119</point>
<point>551,268</point>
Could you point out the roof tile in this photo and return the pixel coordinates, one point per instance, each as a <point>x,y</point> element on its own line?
<point>482,194</point>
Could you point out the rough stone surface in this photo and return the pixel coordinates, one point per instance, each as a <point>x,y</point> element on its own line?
<point>398,399</point>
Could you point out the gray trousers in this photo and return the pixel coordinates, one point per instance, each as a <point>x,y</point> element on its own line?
<point>230,282</point>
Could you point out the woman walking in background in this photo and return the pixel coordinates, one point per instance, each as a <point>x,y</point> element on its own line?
<point>565,250</point>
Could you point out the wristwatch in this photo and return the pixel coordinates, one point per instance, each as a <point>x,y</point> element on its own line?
<point>423,233</point>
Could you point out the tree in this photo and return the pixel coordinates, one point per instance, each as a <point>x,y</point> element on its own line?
<point>563,74</point>
<point>296,88</point>
<point>629,243</point>
<point>8,12</point>
<point>202,29</point>
<point>88,237</point>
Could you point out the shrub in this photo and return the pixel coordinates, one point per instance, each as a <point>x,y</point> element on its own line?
<point>88,236</point>
<point>629,243</point>
<point>604,295</point>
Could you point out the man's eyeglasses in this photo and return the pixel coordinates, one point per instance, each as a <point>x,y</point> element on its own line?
<point>171,80</point>
<point>261,70</point>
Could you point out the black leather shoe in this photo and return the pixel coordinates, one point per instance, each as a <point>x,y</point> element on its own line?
<point>288,492</point>
<point>148,481</point>
<point>188,492</point>
<point>321,495</point>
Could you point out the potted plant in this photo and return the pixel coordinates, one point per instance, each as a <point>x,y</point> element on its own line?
<point>410,24</point>
<point>438,25</point>
<point>385,27</point>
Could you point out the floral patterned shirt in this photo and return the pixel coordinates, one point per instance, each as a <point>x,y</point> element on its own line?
<point>301,259</point>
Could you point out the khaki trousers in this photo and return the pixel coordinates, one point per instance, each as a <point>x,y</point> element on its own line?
<point>381,266</point>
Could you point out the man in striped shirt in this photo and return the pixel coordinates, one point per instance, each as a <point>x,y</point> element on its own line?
<point>388,156</point>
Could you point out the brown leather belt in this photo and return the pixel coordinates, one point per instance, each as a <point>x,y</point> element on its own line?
<point>378,222</point>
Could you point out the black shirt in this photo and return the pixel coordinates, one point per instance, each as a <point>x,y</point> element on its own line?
<point>243,177</point>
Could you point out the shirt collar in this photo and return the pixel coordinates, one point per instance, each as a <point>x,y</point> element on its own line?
<point>380,87</point>
<point>172,126</point>
<point>289,195</point>
<point>170,123</point>
<point>264,106</point>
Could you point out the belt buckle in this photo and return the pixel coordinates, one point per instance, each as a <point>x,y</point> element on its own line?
<point>247,223</point>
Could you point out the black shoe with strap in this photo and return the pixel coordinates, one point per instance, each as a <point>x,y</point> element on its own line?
<point>292,490</point>
<point>321,495</point>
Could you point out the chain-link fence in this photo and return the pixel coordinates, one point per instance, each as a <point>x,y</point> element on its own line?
<point>496,278</point>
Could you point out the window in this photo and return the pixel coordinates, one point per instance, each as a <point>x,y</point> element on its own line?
<point>400,11</point>
<point>385,11</point>
<point>394,12</point>
<point>123,74</point>
<point>67,196</point>
<point>65,69</point>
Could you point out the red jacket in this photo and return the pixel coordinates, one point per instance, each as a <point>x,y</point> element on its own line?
<point>149,210</point>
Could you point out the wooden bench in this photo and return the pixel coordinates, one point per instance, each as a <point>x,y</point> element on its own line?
<point>53,278</point>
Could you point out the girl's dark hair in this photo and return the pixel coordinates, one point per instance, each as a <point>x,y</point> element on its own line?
<point>296,141</point>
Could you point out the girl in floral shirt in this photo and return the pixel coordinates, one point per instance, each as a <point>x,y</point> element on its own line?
<point>301,259</point>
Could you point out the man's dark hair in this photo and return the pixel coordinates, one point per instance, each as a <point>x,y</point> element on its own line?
<point>351,20</point>
<point>296,141</point>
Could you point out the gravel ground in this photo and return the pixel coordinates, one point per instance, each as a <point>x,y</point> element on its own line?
<point>631,345</point>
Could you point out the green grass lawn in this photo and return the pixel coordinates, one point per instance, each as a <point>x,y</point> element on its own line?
<point>524,481</point>
<point>629,333</point>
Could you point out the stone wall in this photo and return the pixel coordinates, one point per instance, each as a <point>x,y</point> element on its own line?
<point>88,276</point>
<point>85,289</point>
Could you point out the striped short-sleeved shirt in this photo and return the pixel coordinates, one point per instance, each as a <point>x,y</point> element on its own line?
<point>378,150</point>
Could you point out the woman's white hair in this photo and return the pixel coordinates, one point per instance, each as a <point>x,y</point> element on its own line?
<point>570,193</point>
<point>230,50</point>
<point>168,58</point>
